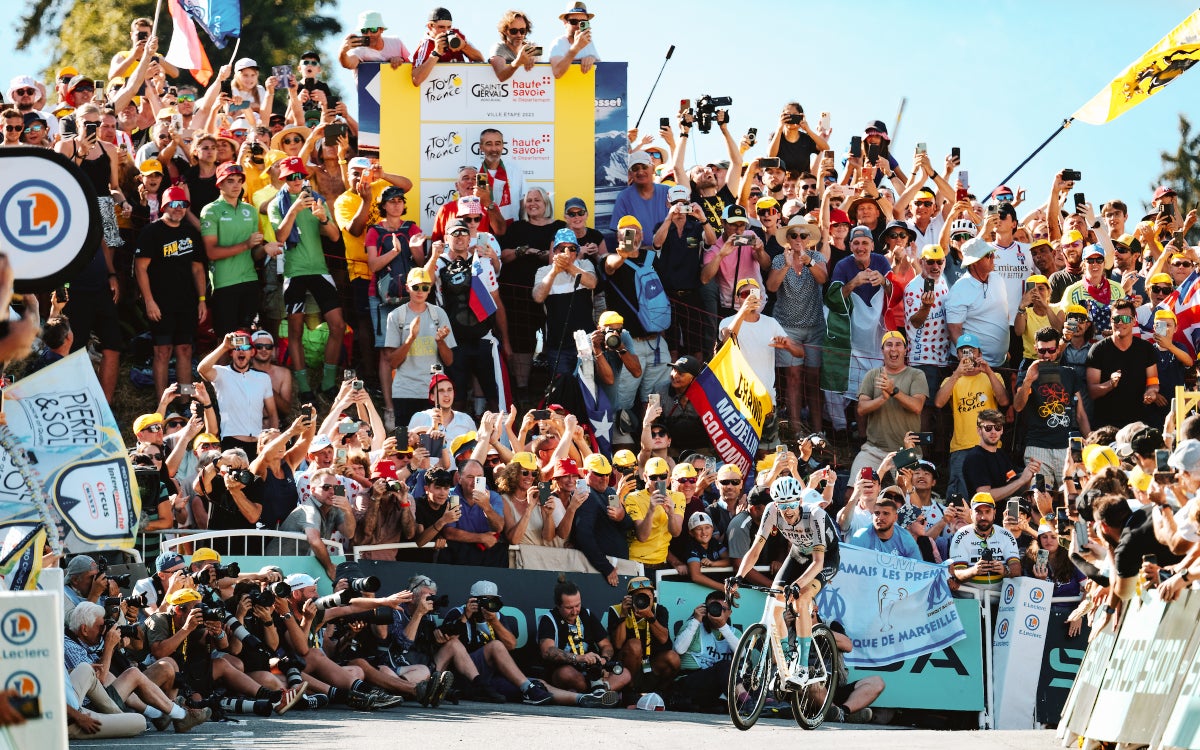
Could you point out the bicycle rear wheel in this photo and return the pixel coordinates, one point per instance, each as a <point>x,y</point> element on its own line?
<point>810,703</point>
<point>749,677</point>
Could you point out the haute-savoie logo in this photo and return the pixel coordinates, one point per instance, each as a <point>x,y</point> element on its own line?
<point>18,627</point>
<point>36,215</point>
<point>535,89</point>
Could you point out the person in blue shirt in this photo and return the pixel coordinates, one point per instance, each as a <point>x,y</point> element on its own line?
<point>883,535</point>
<point>475,538</point>
<point>644,198</point>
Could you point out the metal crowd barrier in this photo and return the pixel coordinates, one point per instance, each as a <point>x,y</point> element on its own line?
<point>251,539</point>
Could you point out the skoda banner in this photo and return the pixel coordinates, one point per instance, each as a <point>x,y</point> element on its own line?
<point>49,220</point>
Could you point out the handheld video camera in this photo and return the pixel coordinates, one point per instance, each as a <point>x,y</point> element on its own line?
<point>706,110</point>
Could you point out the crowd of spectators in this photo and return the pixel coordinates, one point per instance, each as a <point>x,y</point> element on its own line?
<point>326,365</point>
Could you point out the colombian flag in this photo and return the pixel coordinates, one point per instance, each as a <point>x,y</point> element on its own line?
<point>733,404</point>
<point>1149,74</point>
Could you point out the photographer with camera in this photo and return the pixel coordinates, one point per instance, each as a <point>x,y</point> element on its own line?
<point>983,554</point>
<point>442,43</point>
<point>169,574</point>
<point>705,646</point>
<point>370,45</point>
<point>326,510</point>
<point>711,191</point>
<point>230,496</point>
<point>577,651</point>
<point>88,647</point>
<point>84,580</point>
<point>639,628</point>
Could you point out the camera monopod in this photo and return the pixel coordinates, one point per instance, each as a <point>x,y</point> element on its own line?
<point>670,52</point>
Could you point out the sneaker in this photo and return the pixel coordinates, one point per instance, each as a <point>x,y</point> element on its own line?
<point>384,699</point>
<point>537,694</point>
<point>485,693</point>
<point>445,681</point>
<point>835,714</point>
<point>289,698</point>
<point>195,717</point>
<point>162,722</point>
<point>361,701</point>
<point>798,678</point>
<point>312,702</point>
<point>425,690</point>
<point>861,716</point>
<point>389,419</point>
<point>600,698</point>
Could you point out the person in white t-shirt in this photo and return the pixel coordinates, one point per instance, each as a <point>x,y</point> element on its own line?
<point>1014,260</point>
<point>576,44</point>
<point>245,395</point>
<point>378,48</point>
<point>757,335</point>
<point>978,302</point>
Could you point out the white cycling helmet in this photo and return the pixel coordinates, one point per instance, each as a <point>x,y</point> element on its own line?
<point>963,226</point>
<point>786,489</point>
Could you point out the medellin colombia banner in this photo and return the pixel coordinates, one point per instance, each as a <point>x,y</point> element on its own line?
<point>63,463</point>
<point>733,404</point>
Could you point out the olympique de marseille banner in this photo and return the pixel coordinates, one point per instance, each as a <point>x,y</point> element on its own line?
<point>893,608</point>
<point>733,404</point>
<point>63,462</point>
<point>551,128</point>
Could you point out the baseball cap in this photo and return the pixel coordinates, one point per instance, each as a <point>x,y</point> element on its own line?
<point>243,63</point>
<point>463,442</point>
<point>183,596</point>
<point>67,72</point>
<point>982,498</point>
<point>1037,278</point>
<point>640,157</point>
<point>358,162</point>
<point>729,471</point>
<point>385,470</point>
<point>227,170</point>
<point>610,318</point>
<point>933,252</point>
<point>1093,251</point>
<point>699,519</point>
<point>624,457</point>
<point>454,225</point>
<point>764,204</point>
<point>688,364</point>
<point>869,473</point>
<point>146,420</point>
<point>79,565</point>
<point>292,165</point>
<point>759,496</point>
<point>927,465</point>
<point>418,275</point>
<point>892,335</point>
<point>678,193</point>
<point>596,463</point>
<point>484,588</point>
<point>151,166</point>
<point>566,467</point>
<point>167,560</point>
<point>1077,309</point>
<point>1161,278</point>
<point>1186,457</point>
<point>878,127</point>
<point>525,460</point>
<point>683,470</point>
<point>1096,458</point>
<point>390,192</point>
<point>1162,191</point>
<point>1071,237</point>
<point>860,231</point>
<point>175,193</point>
<point>734,213</point>
<point>320,442</point>
<point>439,14</point>
<point>967,339</point>
<point>574,203</point>
<point>629,221</point>
<point>207,438</point>
<point>565,236</point>
<point>657,465</point>
<point>744,283</point>
<point>205,554</point>
<point>300,580</point>
<point>1164,314</point>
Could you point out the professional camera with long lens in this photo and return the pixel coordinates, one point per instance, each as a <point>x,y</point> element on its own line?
<point>230,621</point>
<point>438,602</point>
<point>370,584</point>
<point>123,580</point>
<point>453,41</point>
<point>641,600</point>
<point>706,110</point>
<point>612,340</point>
<point>489,603</point>
<point>714,609</point>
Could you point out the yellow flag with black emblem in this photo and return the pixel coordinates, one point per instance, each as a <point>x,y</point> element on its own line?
<point>1149,74</point>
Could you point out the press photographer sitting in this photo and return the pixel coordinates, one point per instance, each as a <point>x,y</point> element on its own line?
<point>705,646</point>
<point>639,628</point>
<point>576,649</point>
<point>88,648</point>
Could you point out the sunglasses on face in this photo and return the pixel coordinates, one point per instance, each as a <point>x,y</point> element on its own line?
<point>687,480</point>
<point>186,97</point>
<point>294,177</point>
<point>1094,260</point>
<point>472,219</point>
<point>576,213</point>
<point>372,30</point>
<point>1162,289</point>
<point>1123,319</point>
<point>961,237</point>
<point>624,469</point>
<point>264,347</point>
<point>291,139</point>
<point>154,456</point>
<point>25,92</point>
<point>657,477</point>
<point>14,128</point>
<point>795,235</point>
<point>923,203</point>
<point>1123,250</point>
<point>992,427</point>
<point>575,21</point>
<point>730,482</point>
<point>34,129</point>
<point>1181,263</point>
<point>929,262</point>
<point>658,434</point>
<point>896,235</point>
<point>420,287</point>
<point>153,428</point>
<point>1042,350</point>
<point>178,204</point>
<point>518,32</point>
<point>459,233</point>
<point>790,505</point>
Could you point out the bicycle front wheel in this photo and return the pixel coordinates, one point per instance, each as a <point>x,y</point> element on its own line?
<point>810,703</point>
<point>749,677</point>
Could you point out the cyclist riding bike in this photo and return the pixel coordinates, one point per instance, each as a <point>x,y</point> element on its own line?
<point>812,561</point>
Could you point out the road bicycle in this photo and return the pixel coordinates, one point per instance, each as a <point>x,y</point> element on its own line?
<point>760,669</point>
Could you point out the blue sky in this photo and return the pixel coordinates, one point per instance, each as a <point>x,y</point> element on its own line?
<point>994,78</point>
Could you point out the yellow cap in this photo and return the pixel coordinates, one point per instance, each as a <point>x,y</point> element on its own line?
<point>457,443</point>
<point>418,275</point>
<point>685,470</point>
<point>610,318</point>
<point>1071,236</point>
<point>597,464</point>
<point>983,498</point>
<point>206,438</point>
<point>204,554</point>
<point>1126,239</point>
<point>183,596</point>
<point>272,158</point>
<point>729,471</point>
<point>1037,278</point>
<point>629,221</point>
<point>1099,457</point>
<point>657,465</point>
<point>67,71</point>
<point>1077,310</point>
<point>1039,242</point>
<point>1164,314</point>
<point>166,113</point>
<point>624,457</point>
<point>147,420</point>
<point>892,335</point>
<point>745,282</point>
<point>933,252</point>
<point>1161,278</point>
<point>525,460</point>
<point>1139,479</point>
<point>151,166</point>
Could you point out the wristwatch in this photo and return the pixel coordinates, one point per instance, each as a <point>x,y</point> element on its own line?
<point>1109,609</point>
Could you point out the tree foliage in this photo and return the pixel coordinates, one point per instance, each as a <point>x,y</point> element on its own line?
<point>1181,170</point>
<point>86,33</point>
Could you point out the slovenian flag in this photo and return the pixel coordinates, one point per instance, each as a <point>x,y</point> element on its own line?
<point>220,19</point>
<point>481,301</point>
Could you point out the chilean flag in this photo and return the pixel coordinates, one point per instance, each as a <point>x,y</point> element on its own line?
<point>186,51</point>
<point>481,301</point>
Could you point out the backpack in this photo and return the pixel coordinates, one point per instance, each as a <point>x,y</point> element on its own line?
<point>654,306</point>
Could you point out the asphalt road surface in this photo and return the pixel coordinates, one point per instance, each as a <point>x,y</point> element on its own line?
<point>555,728</point>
